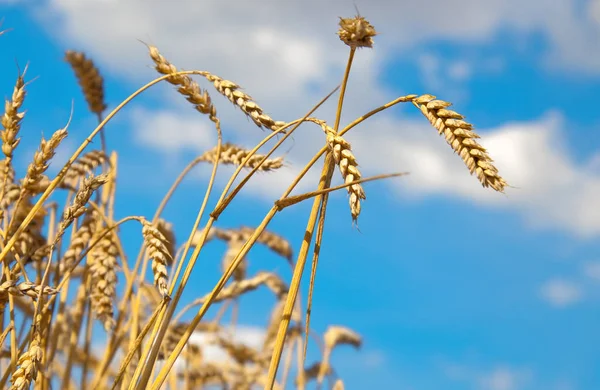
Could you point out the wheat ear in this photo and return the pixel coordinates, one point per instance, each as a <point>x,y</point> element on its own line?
<point>11,120</point>
<point>345,160</point>
<point>334,336</point>
<point>77,209</point>
<point>187,87</point>
<point>166,229</point>
<point>102,262</point>
<point>85,164</point>
<point>273,241</point>
<point>235,155</point>
<point>460,136</point>
<point>29,363</point>
<point>235,289</point>
<point>41,158</point>
<point>233,92</point>
<point>79,242</point>
<point>89,79</point>
<point>356,32</point>
<point>157,250</point>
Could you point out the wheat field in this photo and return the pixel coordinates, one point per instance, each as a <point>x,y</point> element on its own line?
<point>64,268</point>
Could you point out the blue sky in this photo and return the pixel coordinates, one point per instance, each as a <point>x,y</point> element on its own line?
<point>451,285</point>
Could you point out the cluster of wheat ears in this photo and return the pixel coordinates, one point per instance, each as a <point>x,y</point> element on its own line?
<point>47,333</point>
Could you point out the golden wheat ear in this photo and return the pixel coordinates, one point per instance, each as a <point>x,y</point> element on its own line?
<point>235,155</point>
<point>90,80</point>
<point>460,136</point>
<point>157,249</point>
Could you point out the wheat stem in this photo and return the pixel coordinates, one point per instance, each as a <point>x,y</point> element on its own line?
<point>171,360</point>
<point>324,182</point>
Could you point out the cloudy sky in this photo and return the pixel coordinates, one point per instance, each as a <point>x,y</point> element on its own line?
<point>451,285</point>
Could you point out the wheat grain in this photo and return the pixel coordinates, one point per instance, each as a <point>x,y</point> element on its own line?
<point>460,136</point>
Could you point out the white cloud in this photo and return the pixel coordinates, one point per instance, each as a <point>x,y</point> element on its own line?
<point>276,57</point>
<point>560,292</point>
<point>592,270</point>
<point>503,378</point>
<point>250,336</point>
<point>459,70</point>
<point>497,377</point>
<point>171,132</point>
<point>552,190</point>
<point>594,11</point>
<point>199,32</point>
<point>373,359</point>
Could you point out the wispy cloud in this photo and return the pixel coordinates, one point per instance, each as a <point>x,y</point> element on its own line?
<point>503,378</point>
<point>553,191</point>
<point>592,270</point>
<point>496,377</point>
<point>171,132</point>
<point>250,336</point>
<point>570,33</point>
<point>561,292</point>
